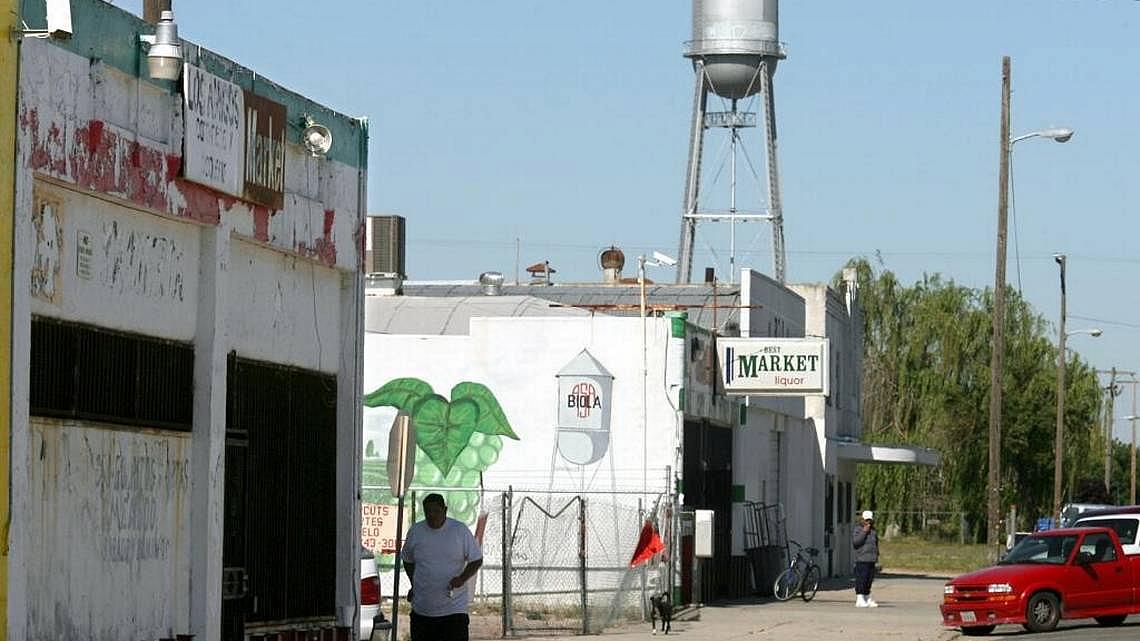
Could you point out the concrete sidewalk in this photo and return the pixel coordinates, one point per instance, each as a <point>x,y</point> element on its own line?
<point>908,611</point>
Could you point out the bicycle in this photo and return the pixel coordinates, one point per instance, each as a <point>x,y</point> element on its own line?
<point>802,575</point>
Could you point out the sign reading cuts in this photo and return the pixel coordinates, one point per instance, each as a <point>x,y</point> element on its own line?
<point>774,366</point>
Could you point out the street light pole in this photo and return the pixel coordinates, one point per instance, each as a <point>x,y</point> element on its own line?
<point>1132,420</point>
<point>1060,436</point>
<point>1108,434</point>
<point>997,353</point>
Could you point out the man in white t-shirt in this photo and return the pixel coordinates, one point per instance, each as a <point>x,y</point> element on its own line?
<point>440,555</point>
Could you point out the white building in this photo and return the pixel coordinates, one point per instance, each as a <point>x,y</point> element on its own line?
<point>671,427</point>
<point>186,349</point>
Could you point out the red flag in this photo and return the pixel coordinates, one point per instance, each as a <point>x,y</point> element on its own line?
<point>648,544</point>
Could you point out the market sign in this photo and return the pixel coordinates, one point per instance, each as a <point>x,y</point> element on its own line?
<point>264,151</point>
<point>234,140</point>
<point>774,366</point>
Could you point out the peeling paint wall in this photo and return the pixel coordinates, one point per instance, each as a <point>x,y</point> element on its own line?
<point>116,503</point>
<point>95,258</point>
<point>117,533</point>
<point>87,123</point>
<point>9,49</point>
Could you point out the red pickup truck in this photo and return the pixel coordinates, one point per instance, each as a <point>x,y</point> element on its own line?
<point>1075,573</point>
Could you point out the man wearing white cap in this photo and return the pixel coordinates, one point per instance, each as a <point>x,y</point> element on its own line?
<point>865,540</point>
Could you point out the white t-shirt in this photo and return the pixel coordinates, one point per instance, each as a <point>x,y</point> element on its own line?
<point>439,556</point>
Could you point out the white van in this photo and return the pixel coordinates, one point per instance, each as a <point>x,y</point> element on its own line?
<point>1124,520</point>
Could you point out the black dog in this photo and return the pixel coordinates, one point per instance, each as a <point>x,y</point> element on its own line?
<point>661,607</point>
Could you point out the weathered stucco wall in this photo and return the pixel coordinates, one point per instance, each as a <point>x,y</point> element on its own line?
<point>8,83</point>
<point>94,259</point>
<point>111,508</point>
<point>87,123</point>
<point>284,310</point>
<point>109,233</point>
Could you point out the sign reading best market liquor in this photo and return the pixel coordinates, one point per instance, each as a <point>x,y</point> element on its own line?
<point>774,366</point>
<point>234,139</point>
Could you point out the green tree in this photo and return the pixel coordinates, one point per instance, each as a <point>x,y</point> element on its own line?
<point>926,381</point>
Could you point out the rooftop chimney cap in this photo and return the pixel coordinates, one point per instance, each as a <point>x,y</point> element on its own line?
<point>612,258</point>
<point>541,268</point>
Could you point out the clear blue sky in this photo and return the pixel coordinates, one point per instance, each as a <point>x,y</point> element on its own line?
<point>565,124</point>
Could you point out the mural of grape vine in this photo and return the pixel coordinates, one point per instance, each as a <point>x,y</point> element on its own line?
<point>457,440</point>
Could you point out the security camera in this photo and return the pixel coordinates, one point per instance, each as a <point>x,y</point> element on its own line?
<point>668,261</point>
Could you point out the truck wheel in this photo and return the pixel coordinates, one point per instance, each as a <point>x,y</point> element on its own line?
<point>1111,621</point>
<point>1043,612</point>
<point>978,630</point>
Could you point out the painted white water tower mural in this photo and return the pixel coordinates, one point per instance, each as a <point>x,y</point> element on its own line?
<point>585,400</point>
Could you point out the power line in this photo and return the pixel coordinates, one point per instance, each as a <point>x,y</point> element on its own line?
<point>1106,322</point>
<point>828,253</point>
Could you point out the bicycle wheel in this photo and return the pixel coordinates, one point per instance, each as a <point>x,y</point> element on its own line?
<point>811,583</point>
<point>786,584</point>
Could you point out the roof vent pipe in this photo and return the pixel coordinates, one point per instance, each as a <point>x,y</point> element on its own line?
<point>491,283</point>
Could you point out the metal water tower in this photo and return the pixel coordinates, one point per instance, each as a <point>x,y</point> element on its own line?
<point>734,51</point>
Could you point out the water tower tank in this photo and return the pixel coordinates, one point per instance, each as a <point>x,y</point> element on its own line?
<point>732,36</point>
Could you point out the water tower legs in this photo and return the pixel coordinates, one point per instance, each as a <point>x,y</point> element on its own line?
<point>693,175</point>
<point>691,210</point>
<point>775,207</point>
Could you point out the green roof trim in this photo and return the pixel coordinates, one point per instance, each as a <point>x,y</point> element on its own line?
<point>678,321</point>
<point>110,35</point>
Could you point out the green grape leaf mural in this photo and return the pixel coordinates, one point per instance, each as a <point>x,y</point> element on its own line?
<point>457,441</point>
<point>401,393</point>
<point>492,420</point>
<point>468,425</point>
<point>442,428</point>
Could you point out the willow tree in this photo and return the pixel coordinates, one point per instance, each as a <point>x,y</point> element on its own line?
<point>926,381</point>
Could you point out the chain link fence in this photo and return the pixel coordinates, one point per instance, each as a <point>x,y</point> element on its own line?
<point>558,563</point>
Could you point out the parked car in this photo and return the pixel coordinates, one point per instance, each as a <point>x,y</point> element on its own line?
<point>1072,573</point>
<point>1073,511</point>
<point>1125,521</point>
<point>371,618</point>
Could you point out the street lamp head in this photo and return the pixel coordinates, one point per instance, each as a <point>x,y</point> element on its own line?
<point>1060,258</point>
<point>1059,134</point>
<point>1095,332</point>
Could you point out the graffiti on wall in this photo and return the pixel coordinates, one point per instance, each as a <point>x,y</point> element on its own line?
<point>457,439</point>
<point>108,511</point>
<point>142,264</point>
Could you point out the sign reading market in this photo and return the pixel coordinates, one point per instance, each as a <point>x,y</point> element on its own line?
<point>774,366</point>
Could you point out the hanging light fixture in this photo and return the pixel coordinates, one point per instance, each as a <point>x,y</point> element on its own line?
<point>164,59</point>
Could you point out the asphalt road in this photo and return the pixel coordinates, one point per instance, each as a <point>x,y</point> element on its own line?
<point>1085,630</point>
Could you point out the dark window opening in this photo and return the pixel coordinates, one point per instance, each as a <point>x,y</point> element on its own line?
<point>85,372</point>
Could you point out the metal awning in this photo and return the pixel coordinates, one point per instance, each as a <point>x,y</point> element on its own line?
<point>897,454</point>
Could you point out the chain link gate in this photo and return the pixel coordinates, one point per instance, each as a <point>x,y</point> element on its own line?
<point>545,579</point>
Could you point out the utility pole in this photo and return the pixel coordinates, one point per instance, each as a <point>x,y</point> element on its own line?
<point>997,355</point>
<point>1108,434</point>
<point>1114,390</point>
<point>1059,444</point>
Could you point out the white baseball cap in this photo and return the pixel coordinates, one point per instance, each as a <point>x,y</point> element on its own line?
<point>868,515</point>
